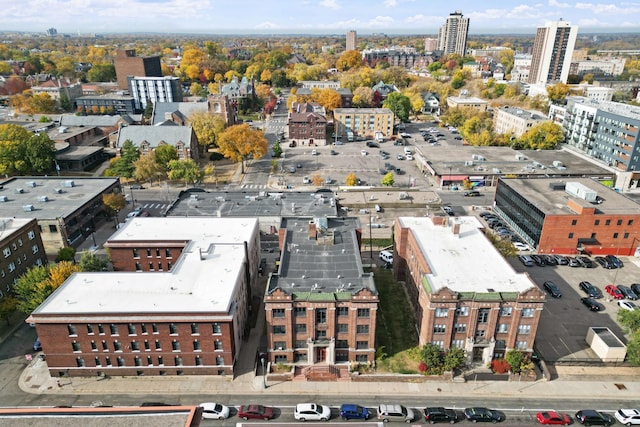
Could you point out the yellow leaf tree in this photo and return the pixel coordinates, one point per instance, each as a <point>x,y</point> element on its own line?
<point>351,179</point>
<point>329,98</point>
<point>207,127</point>
<point>240,142</point>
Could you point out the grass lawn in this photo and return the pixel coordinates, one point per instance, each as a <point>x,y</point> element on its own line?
<point>395,330</point>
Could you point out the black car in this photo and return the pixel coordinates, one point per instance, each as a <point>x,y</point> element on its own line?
<point>604,263</point>
<point>628,292</point>
<point>437,415</point>
<point>552,289</point>
<point>589,417</point>
<point>550,260</point>
<point>636,288</point>
<point>538,260</point>
<point>372,144</point>
<point>586,262</point>
<point>590,290</point>
<point>479,414</point>
<point>617,263</point>
<point>591,304</point>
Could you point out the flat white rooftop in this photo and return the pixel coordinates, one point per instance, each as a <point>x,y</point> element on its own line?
<point>203,280</point>
<point>466,262</point>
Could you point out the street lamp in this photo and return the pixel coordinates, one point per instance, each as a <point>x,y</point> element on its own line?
<point>93,236</point>
<point>115,218</point>
<point>264,372</point>
<point>370,240</point>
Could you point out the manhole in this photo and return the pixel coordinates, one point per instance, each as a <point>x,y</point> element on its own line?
<point>621,386</point>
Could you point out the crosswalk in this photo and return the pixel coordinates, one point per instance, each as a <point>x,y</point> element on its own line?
<point>159,206</point>
<point>253,186</point>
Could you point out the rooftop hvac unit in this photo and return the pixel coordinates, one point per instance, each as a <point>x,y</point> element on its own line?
<point>19,190</point>
<point>27,208</point>
<point>31,183</point>
<point>557,164</point>
<point>43,199</point>
<point>557,186</point>
<point>57,190</point>
<point>496,170</point>
<point>581,191</point>
<point>478,157</point>
<point>468,163</point>
<point>521,157</point>
<point>69,183</point>
<point>4,199</point>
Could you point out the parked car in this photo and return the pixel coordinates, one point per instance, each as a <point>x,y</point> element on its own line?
<point>37,346</point>
<point>591,417</point>
<point>292,169</point>
<point>590,289</point>
<point>372,144</point>
<point>550,260</point>
<point>552,289</point>
<point>591,304</point>
<point>538,260</point>
<point>400,157</point>
<point>480,414</point>
<point>553,418</point>
<point>256,412</point>
<point>472,193</point>
<point>627,305</point>
<point>136,187</point>
<point>439,414</point>
<point>395,412</point>
<point>573,262</point>
<point>636,288</point>
<point>363,152</point>
<point>586,262</point>
<point>409,157</point>
<point>604,263</point>
<point>562,260</point>
<point>214,411</point>
<point>314,152</point>
<point>617,262</point>
<point>448,210</point>
<point>306,180</point>
<point>354,412</point>
<point>311,412</point>
<point>613,291</point>
<point>526,260</point>
<point>628,417</point>
<point>333,152</point>
<point>521,246</point>
<point>627,292</point>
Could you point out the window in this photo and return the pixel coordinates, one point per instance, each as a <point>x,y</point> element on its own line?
<point>279,345</point>
<point>105,346</point>
<point>301,327</point>
<point>442,312</point>
<point>167,253</point>
<point>53,228</point>
<point>343,328</point>
<point>32,234</point>
<point>480,333</point>
<point>615,235</point>
<point>321,315</point>
<point>342,344</point>
<point>439,344</point>
<point>506,311</point>
<point>177,361</point>
<point>75,345</point>
<point>94,346</point>
<point>157,253</point>
<point>597,222</point>
<point>524,329</point>
<point>198,361</point>
<point>521,345</point>
<point>630,222</point>
<point>151,266</point>
<point>159,266</point>
<point>503,328</point>
<point>321,335</point>
<point>300,344</point>
<point>196,345</point>
<point>439,329</point>
<point>147,347</point>
<point>607,222</point>
<point>216,328</point>
<point>89,329</point>
<point>301,311</point>
<point>117,346</point>
<point>363,312</point>
<point>574,222</point>
<point>462,311</point>
<point>343,311</point>
<point>217,345</point>
<point>175,345</point>
<point>80,362</point>
<point>459,327</point>
<point>194,328</point>
<point>137,361</point>
<point>158,345</point>
<point>279,330</point>
<point>6,252</point>
<point>150,360</point>
<point>143,328</point>
<point>570,236</point>
<point>12,267</point>
<point>107,360</point>
<point>135,253</point>
<point>277,312</point>
<point>132,329</point>
<point>173,329</point>
<point>619,222</point>
<point>362,345</point>
<point>160,360</point>
<point>483,315</point>
<point>138,266</point>
<point>457,343</point>
<point>35,249</point>
<point>97,360</point>
<point>625,236</point>
<point>72,330</point>
<point>154,328</point>
<point>220,360</point>
<point>114,329</point>
<point>527,312</point>
<point>135,346</point>
<point>362,329</point>
<point>363,358</point>
<point>148,252</point>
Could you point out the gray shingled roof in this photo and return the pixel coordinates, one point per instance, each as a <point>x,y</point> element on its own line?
<point>154,135</point>
<point>186,109</point>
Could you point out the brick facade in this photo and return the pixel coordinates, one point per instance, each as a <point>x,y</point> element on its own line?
<point>128,64</point>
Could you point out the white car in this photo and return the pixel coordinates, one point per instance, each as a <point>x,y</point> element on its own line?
<point>311,412</point>
<point>521,246</point>
<point>214,411</point>
<point>409,157</point>
<point>627,305</point>
<point>306,180</point>
<point>628,417</point>
<point>364,152</point>
<point>314,152</point>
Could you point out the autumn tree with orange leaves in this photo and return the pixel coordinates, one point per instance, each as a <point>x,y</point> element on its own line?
<point>240,142</point>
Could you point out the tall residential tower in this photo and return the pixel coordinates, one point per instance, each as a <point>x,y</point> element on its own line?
<point>452,37</point>
<point>552,52</point>
<point>352,39</point>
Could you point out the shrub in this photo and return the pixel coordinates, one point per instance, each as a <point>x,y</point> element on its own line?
<point>215,156</point>
<point>500,366</point>
<point>422,367</point>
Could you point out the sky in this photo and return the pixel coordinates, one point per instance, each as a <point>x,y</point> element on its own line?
<point>311,16</point>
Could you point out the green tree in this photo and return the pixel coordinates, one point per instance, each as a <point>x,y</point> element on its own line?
<point>186,170</point>
<point>8,304</point>
<point>102,73</point>
<point>25,153</point>
<point>146,168</point>
<point>124,165</point>
<point>89,261</point>
<point>277,149</point>
<point>515,358</point>
<point>66,254</point>
<point>148,110</point>
<point>37,283</point>
<point>545,136</point>
<point>388,180</point>
<point>454,358</point>
<point>432,357</point>
<point>163,155</point>
<point>399,104</point>
<point>196,89</point>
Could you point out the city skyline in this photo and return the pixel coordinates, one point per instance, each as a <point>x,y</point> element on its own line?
<point>308,16</point>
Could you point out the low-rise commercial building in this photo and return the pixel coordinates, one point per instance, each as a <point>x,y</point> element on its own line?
<point>177,304</point>
<point>516,121</point>
<point>464,293</point>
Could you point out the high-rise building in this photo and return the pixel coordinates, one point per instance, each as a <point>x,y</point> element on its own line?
<point>452,37</point>
<point>352,39</point>
<point>430,44</point>
<point>552,52</point>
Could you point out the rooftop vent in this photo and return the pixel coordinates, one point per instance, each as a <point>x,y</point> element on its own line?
<point>31,183</point>
<point>27,208</point>
<point>19,190</point>
<point>57,190</point>
<point>43,199</point>
<point>557,186</point>
<point>4,199</point>
<point>69,183</point>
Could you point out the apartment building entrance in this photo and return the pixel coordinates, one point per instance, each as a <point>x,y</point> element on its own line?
<point>321,354</point>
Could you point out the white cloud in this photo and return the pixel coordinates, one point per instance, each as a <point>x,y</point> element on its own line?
<point>267,26</point>
<point>331,4</point>
<point>380,21</point>
<point>555,3</point>
<point>390,3</point>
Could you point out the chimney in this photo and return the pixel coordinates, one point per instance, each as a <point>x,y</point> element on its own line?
<point>455,228</point>
<point>312,230</point>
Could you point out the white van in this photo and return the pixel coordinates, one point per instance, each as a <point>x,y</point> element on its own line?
<point>386,256</point>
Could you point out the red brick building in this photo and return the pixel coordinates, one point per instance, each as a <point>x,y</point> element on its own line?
<point>464,293</point>
<point>307,125</point>
<point>177,304</point>
<point>320,305</point>
<point>128,64</point>
<point>22,248</point>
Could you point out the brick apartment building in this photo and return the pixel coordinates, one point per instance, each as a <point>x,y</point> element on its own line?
<point>320,305</point>
<point>464,293</point>
<point>128,64</point>
<point>306,125</point>
<point>570,216</point>
<point>363,122</point>
<point>177,303</point>
<point>22,249</point>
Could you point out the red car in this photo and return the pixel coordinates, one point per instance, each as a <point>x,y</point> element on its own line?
<point>257,412</point>
<point>614,291</point>
<point>552,417</point>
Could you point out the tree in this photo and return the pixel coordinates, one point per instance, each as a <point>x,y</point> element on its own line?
<point>114,202</point>
<point>351,179</point>
<point>207,128</point>
<point>8,304</point>
<point>124,165</point>
<point>317,180</point>
<point>558,92</point>
<point>240,141</point>
<point>362,97</point>
<point>34,286</point>
<point>515,358</point>
<point>432,357</point>
<point>89,261</point>
<point>163,155</point>
<point>146,168</point>
<point>388,180</point>
<point>148,110</point>
<point>66,254</point>
<point>545,136</point>
<point>102,73</point>
<point>186,170</point>
<point>349,59</point>
<point>196,89</point>
<point>25,153</point>
<point>277,149</point>
<point>454,358</point>
<point>399,104</point>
